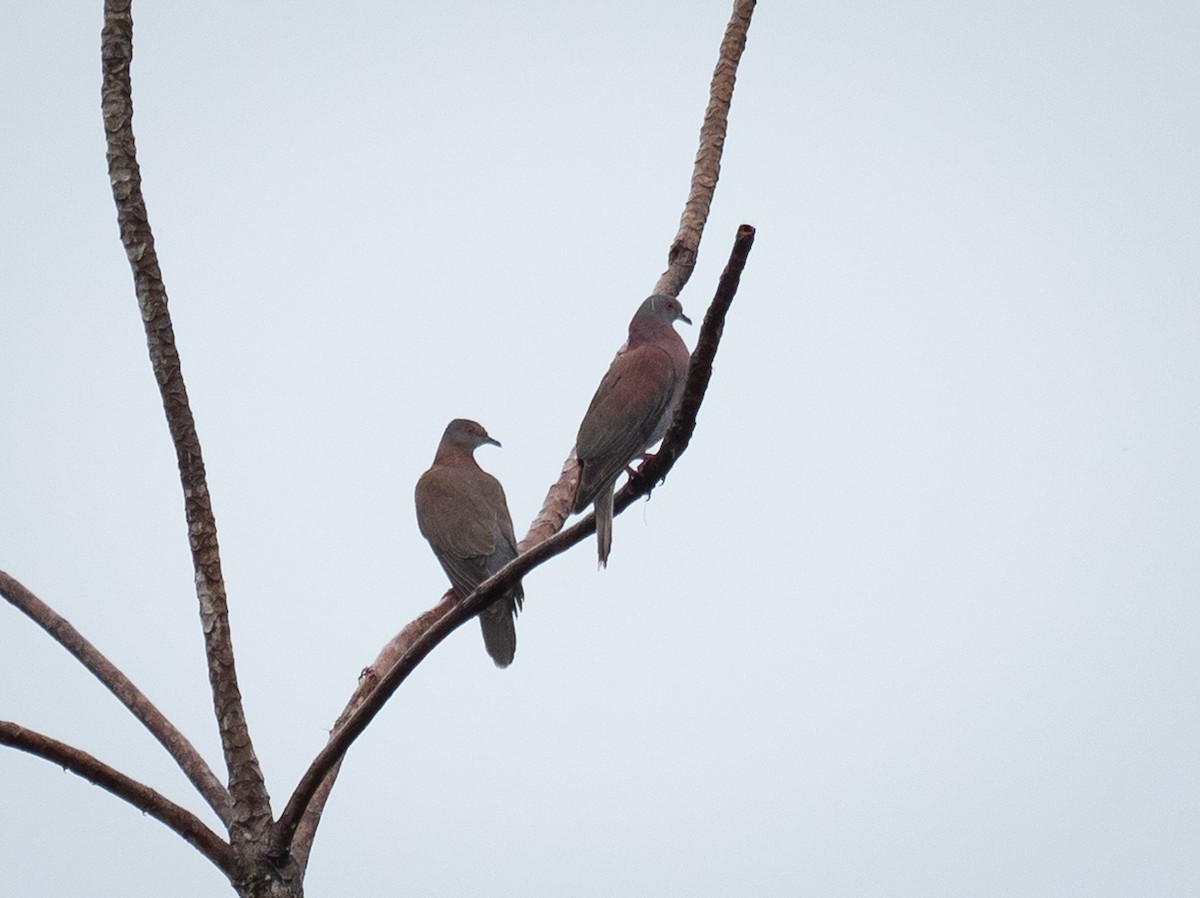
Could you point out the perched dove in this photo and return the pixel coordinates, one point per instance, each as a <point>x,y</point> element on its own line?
<point>461,510</point>
<point>632,408</point>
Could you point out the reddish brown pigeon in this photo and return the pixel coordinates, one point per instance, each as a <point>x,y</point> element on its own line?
<point>632,408</point>
<point>461,510</point>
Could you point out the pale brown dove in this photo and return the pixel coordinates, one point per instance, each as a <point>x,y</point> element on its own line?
<point>462,511</point>
<point>631,410</point>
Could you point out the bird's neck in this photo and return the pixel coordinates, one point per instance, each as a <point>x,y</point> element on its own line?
<point>455,456</point>
<point>647,330</point>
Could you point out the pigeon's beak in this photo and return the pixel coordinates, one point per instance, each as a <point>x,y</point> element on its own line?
<point>684,318</point>
<point>495,443</point>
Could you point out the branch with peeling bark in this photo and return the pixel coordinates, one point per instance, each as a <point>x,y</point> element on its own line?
<point>681,258</point>
<point>299,821</point>
<point>251,812</point>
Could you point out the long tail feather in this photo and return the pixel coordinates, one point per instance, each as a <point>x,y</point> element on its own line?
<point>604,524</point>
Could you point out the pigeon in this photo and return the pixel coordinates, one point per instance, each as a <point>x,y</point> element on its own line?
<point>462,511</point>
<point>631,410</point>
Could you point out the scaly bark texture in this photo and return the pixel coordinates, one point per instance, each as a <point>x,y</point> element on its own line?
<point>681,258</point>
<point>251,814</point>
<point>189,760</point>
<point>299,822</point>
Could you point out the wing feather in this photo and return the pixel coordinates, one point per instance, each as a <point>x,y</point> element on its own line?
<point>622,419</point>
<point>464,515</point>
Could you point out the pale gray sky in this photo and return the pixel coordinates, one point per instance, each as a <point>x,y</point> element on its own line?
<point>916,615</point>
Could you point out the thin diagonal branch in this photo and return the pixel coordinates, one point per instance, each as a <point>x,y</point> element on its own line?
<point>679,434</point>
<point>251,805</point>
<point>421,636</point>
<point>681,257</point>
<point>368,680</point>
<point>141,796</point>
<point>306,831</point>
<point>178,747</point>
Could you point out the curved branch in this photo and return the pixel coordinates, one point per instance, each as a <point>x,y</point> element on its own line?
<point>681,257</point>
<point>421,636</point>
<point>368,680</point>
<point>251,805</point>
<point>178,747</point>
<point>679,434</point>
<point>141,796</point>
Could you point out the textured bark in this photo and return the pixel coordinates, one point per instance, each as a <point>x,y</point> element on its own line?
<point>263,879</point>
<point>683,425</point>
<point>556,507</point>
<point>140,796</point>
<point>299,822</point>
<point>194,767</point>
<point>681,258</point>
<point>251,806</point>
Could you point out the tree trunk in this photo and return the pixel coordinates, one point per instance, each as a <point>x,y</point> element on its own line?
<point>263,879</point>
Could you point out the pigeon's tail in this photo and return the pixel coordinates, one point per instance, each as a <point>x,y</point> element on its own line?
<point>500,630</point>
<point>604,523</point>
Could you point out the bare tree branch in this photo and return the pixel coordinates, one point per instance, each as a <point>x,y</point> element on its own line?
<point>408,648</point>
<point>368,680</point>
<point>306,831</point>
<point>681,258</point>
<point>141,796</point>
<point>251,805</point>
<point>556,507</point>
<point>194,767</point>
<point>679,434</point>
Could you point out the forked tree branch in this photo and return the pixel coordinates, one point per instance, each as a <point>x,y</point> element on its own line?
<point>681,257</point>
<point>368,680</point>
<point>298,822</point>
<point>194,767</point>
<point>251,805</point>
<point>250,818</point>
<point>679,434</point>
<point>420,637</point>
<point>141,796</point>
